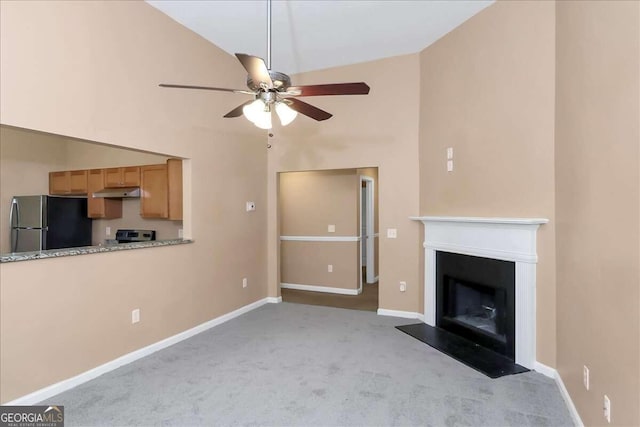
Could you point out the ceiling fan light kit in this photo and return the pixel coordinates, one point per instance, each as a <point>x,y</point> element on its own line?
<point>272,90</point>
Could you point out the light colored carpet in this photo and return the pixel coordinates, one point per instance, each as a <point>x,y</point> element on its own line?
<point>302,365</point>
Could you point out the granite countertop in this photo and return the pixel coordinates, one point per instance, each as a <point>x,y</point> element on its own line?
<point>54,253</point>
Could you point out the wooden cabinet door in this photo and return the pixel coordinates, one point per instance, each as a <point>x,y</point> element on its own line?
<point>131,176</point>
<point>58,183</point>
<point>78,182</point>
<point>153,189</point>
<point>100,207</point>
<point>128,176</point>
<point>174,178</point>
<point>112,177</point>
<point>68,182</point>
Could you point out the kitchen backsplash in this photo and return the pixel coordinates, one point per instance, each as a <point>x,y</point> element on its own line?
<point>165,229</point>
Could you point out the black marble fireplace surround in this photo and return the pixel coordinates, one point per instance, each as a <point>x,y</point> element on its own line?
<point>475,299</point>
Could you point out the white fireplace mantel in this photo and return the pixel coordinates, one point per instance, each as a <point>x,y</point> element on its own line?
<point>508,239</point>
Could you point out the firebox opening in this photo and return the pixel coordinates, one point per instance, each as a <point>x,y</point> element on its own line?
<point>476,300</point>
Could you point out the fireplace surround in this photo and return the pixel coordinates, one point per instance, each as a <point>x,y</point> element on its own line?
<point>502,239</point>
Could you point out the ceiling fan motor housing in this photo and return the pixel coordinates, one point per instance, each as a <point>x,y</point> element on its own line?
<point>280,81</point>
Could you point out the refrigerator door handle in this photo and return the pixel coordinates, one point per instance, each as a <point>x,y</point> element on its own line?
<point>12,224</point>
<point>14,239</point>
<point>14,208</point>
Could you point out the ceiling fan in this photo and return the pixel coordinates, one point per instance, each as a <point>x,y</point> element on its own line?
<point>272,90</point>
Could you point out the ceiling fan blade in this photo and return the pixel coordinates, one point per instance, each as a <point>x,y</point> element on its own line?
<point>308,110</point>
<point>256,68</point>
<point>330,89</point>
<point>220,89</point>
<point>237,112</point>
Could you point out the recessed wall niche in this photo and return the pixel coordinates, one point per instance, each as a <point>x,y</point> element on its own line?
<point>27,156</point>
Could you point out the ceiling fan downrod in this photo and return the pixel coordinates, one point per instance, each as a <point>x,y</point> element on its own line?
<point>269,35</point>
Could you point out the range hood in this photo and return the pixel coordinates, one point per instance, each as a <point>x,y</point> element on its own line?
<point>118,193</point>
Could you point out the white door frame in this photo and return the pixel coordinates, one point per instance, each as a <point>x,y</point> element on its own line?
<point>370,232</point>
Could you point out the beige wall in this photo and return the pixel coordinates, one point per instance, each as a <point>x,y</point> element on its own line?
<point>94,83</point>
<point>305,263</point>
<point>597,169</point>
<point>377,130</point>
<point>487,90</point>
<point>309,202</point>
<point>88,155</point>
<point>26,158</point>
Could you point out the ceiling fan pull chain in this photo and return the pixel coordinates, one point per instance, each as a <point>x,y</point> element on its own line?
<point>269,35</point>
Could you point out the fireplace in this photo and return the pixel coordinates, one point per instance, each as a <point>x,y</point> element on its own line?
<point>510,240</point>
<point>475,299</point>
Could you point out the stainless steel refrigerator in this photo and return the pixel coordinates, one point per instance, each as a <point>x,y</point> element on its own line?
<point>48,222</point>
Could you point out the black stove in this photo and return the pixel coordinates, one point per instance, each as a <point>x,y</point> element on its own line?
<point>130,236</point>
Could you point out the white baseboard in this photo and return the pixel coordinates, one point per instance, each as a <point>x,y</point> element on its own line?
<point>545,370</point>
<point>315,288</point>
<point>398,313</point>
<point>69,383</point>
<point>552,373</point>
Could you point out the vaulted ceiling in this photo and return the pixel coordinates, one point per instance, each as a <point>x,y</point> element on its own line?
<point>317,34</point>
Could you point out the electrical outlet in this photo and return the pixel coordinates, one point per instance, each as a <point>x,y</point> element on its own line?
<point>450,153</point>
<point>251,206</point>
<point>331,228</point>
<point>180,233</point>
<point>392,233</point>
<point>245,282</point>
<point>330,268</point>
<point>607,408</point>
<point>135,316</point>
<point>585,376</point>
<point>403,286</point>
<point>107,231</point>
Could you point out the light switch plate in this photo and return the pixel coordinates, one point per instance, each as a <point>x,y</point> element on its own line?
<point>449,165</point>
<point>392,233</point>
<point>450,153</point>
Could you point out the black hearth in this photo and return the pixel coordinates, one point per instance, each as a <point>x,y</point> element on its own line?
<point>475,299</point>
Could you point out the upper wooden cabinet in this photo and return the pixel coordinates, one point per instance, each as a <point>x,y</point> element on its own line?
<point>100,207</point>
<point>174,174</point>
<point>154,200</point>
<point>128,176</point>
<point>161,190</point>
<point>68,182</point>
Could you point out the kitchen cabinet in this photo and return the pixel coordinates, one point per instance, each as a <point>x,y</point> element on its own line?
<point>128,176</point>
<point>154,197</point>
<point>100,207</point>
<point>67,183</point>
<point>161,190</point>
<point>174,176</point>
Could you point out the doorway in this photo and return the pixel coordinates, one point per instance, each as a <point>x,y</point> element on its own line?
<point>367,231</point>
<point>328,240</point>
